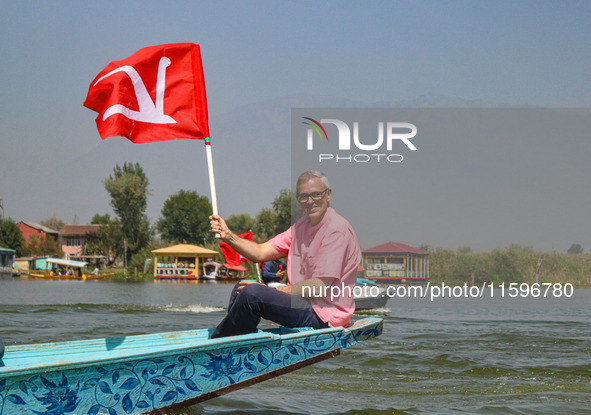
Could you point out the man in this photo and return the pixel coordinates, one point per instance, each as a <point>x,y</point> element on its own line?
<point>322,253</point>
<point>274,271</point>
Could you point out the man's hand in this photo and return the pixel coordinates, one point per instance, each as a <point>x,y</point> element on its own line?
<point>218,226</point>
<point>248,249</point>
<point>244,283</point>
<point>286,289</point>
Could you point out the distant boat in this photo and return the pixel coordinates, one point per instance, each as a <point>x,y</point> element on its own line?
<point>232,272</point>
<point>6,262</point>
<point>63,269</point>
<point>159,372</point>
<point>211,270</point>
<point>367,298</point>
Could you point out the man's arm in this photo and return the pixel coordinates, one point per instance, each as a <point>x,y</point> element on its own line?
<point>267,270</point>
<point>267,273</point>
<point>249,249</point>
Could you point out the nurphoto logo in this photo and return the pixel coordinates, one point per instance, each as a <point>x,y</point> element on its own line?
<point>389,137</point>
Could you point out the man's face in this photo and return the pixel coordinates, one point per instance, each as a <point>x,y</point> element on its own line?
<point>315,209</point>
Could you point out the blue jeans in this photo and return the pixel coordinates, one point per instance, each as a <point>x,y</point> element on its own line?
<point>256,301</point>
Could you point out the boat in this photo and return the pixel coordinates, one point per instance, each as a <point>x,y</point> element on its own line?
<point>211,270</point>
<point>181,261</point>
<point>6,262</point>
<point>154,373</point>
<point>63,269</point>
<point>232,272</point>
<point>368,295</point>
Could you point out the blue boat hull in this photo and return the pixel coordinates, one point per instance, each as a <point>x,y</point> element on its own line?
<point>148,373</point>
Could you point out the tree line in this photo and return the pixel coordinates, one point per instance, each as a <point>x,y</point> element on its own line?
<point>184,219</point>
<point>514,263</point>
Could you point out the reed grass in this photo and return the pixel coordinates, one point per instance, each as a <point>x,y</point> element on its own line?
<point>510,264</point>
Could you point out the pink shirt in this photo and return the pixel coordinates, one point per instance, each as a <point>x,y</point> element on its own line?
<point>327,250</point>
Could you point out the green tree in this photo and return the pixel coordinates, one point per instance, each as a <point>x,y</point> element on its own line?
<point>138,260</point>
<point>11,236</point>
<point>287,209</point>
<point>128,187</point>
<point>46,246</point>
<point>108,240</point>
<point>264,223</point>
<point>425,247</point>
<point>185,218</point>
<point>54,223</point>
<point>103,220</point>
<point>575,249</point>
<point>240,223</point>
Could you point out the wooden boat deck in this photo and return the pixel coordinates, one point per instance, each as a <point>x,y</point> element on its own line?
<point>32,358</point>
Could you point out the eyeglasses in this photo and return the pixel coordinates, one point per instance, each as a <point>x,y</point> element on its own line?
<point>316,196</point>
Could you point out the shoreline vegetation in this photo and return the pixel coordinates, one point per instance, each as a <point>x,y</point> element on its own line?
<point>511,264</point>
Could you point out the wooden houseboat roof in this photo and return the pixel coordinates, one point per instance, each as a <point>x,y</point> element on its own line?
<point>184,249</point>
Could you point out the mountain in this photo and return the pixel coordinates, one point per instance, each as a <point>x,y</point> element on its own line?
<point>251,158</point>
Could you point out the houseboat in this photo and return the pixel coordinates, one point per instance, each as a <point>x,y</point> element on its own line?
<point>395,263</point>
<point>181,261</point>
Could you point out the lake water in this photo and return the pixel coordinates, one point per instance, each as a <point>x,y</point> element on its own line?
<point>449,356</point>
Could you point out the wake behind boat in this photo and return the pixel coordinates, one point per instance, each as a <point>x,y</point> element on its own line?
<point>155,372</point>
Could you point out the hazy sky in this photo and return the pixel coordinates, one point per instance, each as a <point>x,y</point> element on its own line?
<point>52,161</point>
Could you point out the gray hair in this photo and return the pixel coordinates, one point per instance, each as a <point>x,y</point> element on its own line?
<point>310,174</point>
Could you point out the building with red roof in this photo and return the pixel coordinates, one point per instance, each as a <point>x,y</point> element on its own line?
<point>74,237</point>
<point>32,230</point>
<point>395,262</point>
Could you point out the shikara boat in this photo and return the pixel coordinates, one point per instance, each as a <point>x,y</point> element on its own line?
<point>368,295</point>
<point>211,270</point>
<point>76,271</point>
<point>6,262</point>
<point>155,373</point>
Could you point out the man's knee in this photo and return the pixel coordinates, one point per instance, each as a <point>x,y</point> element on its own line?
<point>251,297</point>
<point>254,291</point>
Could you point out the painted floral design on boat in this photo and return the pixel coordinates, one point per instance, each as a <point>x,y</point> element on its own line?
<point>150,383</point>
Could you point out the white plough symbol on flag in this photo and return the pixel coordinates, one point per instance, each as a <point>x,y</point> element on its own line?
<point>149,111</point>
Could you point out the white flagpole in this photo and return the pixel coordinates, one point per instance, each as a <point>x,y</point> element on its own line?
<point>214,199</point>
<point>258,272</point>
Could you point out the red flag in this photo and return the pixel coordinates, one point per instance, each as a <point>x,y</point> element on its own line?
<point>156,94</point>
<point>232,257</point>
